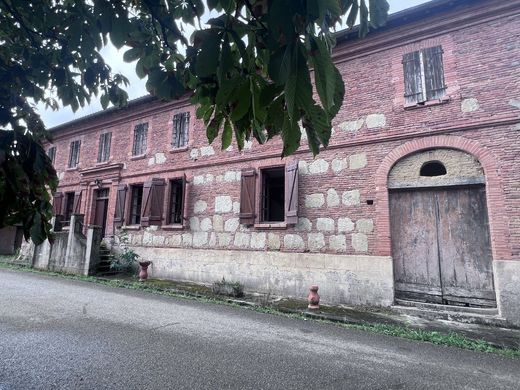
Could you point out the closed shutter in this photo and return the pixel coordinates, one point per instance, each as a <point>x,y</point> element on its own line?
<point>291,193</point>
<point>119,214</point>
<point>57,203</point>
<point>247,197</point>
<point>76,209</point>
<point>186,186</point>
<point>413,91</point>
<point>434,73</point>
<point>153,199</point>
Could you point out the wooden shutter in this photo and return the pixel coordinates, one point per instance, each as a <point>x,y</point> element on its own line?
<point>434,73</point>
<point>247,197</point>
<point>57,203</point>
<point>186,186</point>
<point>291,193</point>
<point>413,91</point>
<point>119,214</point>
<point>76,208</point>
<point>153,199</point>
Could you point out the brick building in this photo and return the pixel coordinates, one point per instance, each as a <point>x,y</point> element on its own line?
<point>417,197</point>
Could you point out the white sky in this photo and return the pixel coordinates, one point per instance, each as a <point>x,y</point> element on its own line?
<point>114,58</point>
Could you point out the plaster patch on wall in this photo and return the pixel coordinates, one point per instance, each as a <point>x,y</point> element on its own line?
<point>303,167</point>
<point>358,161</point>
<point>158,240</point>
<point>273,241</point>
<point>339,164</point>
<point>187,239</point>
<point>314,200</point>
<point>258,240</point>
<point>376,121</point>
<point>174,240</point>
<point>325,224</point>
<point>242,240</point>
<point>469,105</point>
<point>364,225</point>
<point>351,126</point>
<point>229,148</point>
<point>194,153</point>
<point>206,225</point>
<point>318,166</point>
<point>137,239</point>
<point>332,198</point>
<point>315,241</point>
<point>303,225</point>
<point>200,206</point>
<point>515,103</point>
<point>231,176</point>
<point>236,207</point>
<point>61,175</point>
<point>198,180</point>
<point>359,242</point>
<point>223,204</point>
<point>248,145</point>
<point>147,238</point>
<point>231,225</point>
<point>207,151</point>
<point>293,241</point>
<point>338,243</point>
<point>200,239</point>
<point>224,239</point>
<point>219,178</point>
<point>212,239</point>
<point>218,223</point>
<point>351,198</point>
<point>345,225</point>
<point>195,224</point>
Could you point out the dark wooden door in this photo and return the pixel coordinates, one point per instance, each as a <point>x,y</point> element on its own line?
<point>441,246</point>
<point>101,210</point>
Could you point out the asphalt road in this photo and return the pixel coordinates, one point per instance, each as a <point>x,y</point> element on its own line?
<point>62,334</point>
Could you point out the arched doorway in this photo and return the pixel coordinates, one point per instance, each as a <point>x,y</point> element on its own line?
<point>439,229</point>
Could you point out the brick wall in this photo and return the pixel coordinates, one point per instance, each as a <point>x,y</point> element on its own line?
<point>480,115</point>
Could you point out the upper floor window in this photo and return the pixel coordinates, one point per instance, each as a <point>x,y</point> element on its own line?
<point>140,134</point>
<point>423,75</point>
<point>104,147</point>
<point>181,124</point>
<point>52,154</point>
<point>74,153</point>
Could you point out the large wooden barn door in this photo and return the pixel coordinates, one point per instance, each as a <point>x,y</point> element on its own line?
<point>441,246</point>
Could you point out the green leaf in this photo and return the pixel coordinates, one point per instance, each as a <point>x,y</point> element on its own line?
<point>298,90</point>
<point>352,16</point>
<point>339,94</point>
<point>208,56</point>
<point>213,128</point>
<point>242,101</point>
<point>119,33</point>
<point>227,134</point>
<point>324,72</point>
<point>291,136</point>
<point>363,19</point>
<point>132,54</point>
<point>378,12</point>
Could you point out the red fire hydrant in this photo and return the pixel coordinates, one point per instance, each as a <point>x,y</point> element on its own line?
<point>313,298</point>
<point>143,273</point>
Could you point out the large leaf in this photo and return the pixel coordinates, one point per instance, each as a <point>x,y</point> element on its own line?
<point>298,89</point>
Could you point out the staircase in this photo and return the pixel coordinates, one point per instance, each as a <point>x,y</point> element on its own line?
<point>105,258</point>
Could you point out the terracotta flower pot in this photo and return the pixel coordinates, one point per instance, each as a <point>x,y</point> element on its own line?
<point>313,298</point>
<point>143,273</point>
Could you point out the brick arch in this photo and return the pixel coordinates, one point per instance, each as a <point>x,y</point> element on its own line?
<point>498,220</point>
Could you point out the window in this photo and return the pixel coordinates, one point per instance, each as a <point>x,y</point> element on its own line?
<point>277,197</point>
<point>181,124</point>
<point>52,154</point>
<point>272,195</point>
<point>432,169</point>
<point>136,201</point>
<point>104,147</point>
<point>423,75</point>
<point>176,202</point>
<point>69,206</point>
<point>140,134</point>
<point>74,154</point>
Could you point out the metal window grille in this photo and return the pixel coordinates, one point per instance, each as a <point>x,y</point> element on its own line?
<point>52,154</point>
<point>181,124</point>
<point>104,147</point>
<point>74,153</point>
<point>140,134</point>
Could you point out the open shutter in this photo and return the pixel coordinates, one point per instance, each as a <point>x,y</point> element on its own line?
<point>57,203</point>
<point>153,199</point>
<point>247,197</point>
<point>119,215</point>
<point>76,208</point>
<point>434,73</point>
<point>185,201</point>
<point>291,193</point>
<point>413,91</point>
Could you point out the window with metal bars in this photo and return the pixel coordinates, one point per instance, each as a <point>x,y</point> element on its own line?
<point>140,134</point>
<point>52,153</point>
<point>181,124</point>
<point>424,75</point>
<point>74,153</point>
<point>105,140</point>
<point>136,202</point>
<point>176,202</point>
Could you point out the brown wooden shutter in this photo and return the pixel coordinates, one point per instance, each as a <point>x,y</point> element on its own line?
<point>247,197</point>
<point>119,214</point>
<point>434,73</point>
<point>153,199</point>
<point>76,208</point>
<point>291,193</point>
<point>413,92</point>
<point>186,186</point>
<point>57,203</point>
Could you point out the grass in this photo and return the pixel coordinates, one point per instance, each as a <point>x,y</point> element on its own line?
<point>203,294</point>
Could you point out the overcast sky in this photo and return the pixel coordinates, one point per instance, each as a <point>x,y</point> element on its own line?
<point>137,88</point>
